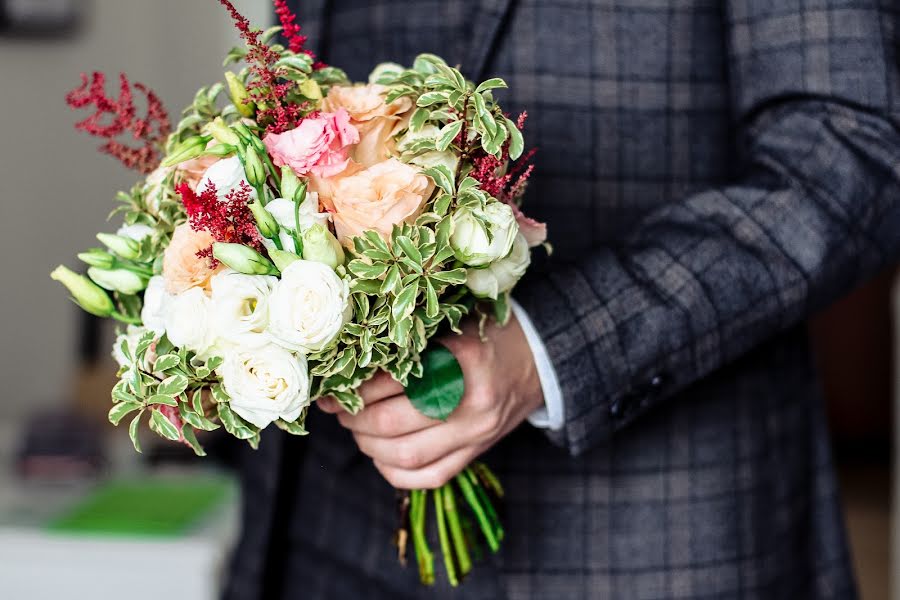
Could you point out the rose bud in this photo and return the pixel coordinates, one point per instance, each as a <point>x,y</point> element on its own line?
<point>243,259</point>
<point>320,245</point>
<point>122,246</point>
<point>482,236</point>
<point>118,280</point>
<point>85,292</point>
<point>222,133</point>
<point>237,92</point>
<point>190,148</point>
<point>265,222</point>
<point>95,257</point>
<point>282,258</point>
<point>253,167</point>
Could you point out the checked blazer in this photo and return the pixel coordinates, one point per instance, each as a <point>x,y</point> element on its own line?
<point>712,173</point>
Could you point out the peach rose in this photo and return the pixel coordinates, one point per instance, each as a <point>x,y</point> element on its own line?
<point>378,198</point>
<point>191,171</point>
<point>376,121</point>
<point>319,145</point>
<point>182,268</point>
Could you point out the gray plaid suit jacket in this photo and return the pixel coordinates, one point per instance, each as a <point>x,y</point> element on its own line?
<point>712,172</point>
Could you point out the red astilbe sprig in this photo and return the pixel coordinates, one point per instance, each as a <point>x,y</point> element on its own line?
<point>267,88</point>
<point>114,117</point>
<point>487,169</point>
<point>291,32</point>
<point>227,220</point>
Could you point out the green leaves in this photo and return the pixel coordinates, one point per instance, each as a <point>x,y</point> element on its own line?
<point>172,386</point>
<point>122,409</point>
<point>443,178</point>
<point>490,84</point>
<point>439,390</point>
<point>161,425</point>
<point>447,134</point>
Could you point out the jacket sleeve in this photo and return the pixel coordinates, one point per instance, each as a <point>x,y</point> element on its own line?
<point>703,279</point>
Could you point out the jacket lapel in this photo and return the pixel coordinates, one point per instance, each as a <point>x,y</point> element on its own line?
<point>489,19</point>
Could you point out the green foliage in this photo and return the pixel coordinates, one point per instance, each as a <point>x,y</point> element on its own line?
<point>439,389</point>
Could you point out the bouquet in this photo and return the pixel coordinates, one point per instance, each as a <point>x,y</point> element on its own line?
<point>295,233</point>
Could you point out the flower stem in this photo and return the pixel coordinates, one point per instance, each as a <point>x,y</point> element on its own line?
<point>456,532</point>
<point>486,503</point>
<point>488,478</point>
<point>442,536</point>
<point>423,554</point>
<point>483,522</point>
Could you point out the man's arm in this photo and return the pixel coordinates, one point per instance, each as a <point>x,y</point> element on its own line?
<point>815,211</point>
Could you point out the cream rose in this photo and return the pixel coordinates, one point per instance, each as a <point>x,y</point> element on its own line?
<point>188,322</point>
<point>376,120</point>
<point>239,306</point>
<point>226,175</point>
<point>265,384</point>
<point>378,198</point>
<point>309,307</point>
<point>282,210</point>
<point>156,302</point>
<point>182,268</point>
<point>130,337</point>
<point>502,275</point>
<point>482,236</point>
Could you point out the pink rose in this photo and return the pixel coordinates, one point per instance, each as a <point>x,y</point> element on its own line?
<point>376,120</point>
<point>319,145</point>
<point>534,232</point>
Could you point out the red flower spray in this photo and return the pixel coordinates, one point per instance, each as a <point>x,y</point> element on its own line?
<point>227,220</point>
<point>114,117</point>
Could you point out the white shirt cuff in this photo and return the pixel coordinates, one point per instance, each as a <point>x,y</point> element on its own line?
<point>552,414</point>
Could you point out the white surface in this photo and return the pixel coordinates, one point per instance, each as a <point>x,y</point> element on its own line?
<point>40,565</point>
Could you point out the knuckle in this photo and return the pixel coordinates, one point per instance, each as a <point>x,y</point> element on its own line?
<point>434,478</point>
<point>383,421</point>
<point>482,400</point>
<point>408,456</point>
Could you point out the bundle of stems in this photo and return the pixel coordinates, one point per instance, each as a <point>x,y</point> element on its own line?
<point>470,495</point>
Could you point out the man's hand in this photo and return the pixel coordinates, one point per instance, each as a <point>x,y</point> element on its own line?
<point>415,452</point>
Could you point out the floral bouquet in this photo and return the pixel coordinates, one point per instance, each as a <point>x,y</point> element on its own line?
<point>297,233</point>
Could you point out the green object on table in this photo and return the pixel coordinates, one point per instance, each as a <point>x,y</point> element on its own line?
<point>145,508</point>
<point>440,389</point>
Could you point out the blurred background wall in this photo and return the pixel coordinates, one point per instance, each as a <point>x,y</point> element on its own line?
<point>55,189</point>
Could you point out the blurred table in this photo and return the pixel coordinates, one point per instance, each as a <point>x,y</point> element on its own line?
<point>39,564</point>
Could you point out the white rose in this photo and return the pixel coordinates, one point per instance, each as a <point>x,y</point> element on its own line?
<point>430,159</point>
<point>239,306</point>
<point>500,276</point>
<point>156,302</point>
<point>282,210</point>
<point>226,174</point>
<point>470,241</point>
<point>188,322</point>
<point>265,383</point>
<point>136,232</point>
<point>309,307</point>
<point>131,336</point>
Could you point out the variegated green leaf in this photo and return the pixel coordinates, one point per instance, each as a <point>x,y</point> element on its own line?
<point>166,362</point>
<point>161,425</point>
<point>121,409</point>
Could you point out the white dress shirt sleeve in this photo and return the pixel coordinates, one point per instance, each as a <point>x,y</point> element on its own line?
<point>552,414</point>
